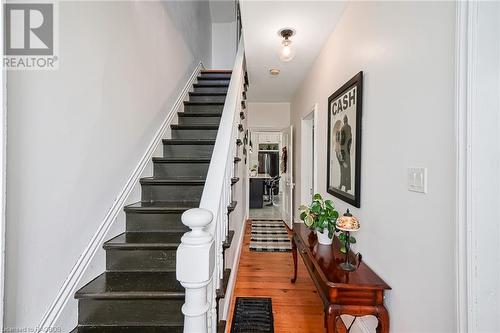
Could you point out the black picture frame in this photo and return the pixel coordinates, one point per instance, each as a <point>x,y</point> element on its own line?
<point>340,171</point>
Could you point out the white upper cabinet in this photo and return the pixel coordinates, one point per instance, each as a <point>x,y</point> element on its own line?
<point>268,137</point>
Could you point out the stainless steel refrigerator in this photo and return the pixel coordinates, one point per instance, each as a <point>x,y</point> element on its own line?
<point>269,162</point>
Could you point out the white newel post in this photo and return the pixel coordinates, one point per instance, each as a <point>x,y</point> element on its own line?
<point>195,266</point>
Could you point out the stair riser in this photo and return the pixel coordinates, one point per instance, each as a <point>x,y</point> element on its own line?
<point>140,260</point>
<point>171,192</point>
<point>188,150</point>
<point>130,312</point>
<point>216,75</point>
<point>214,99</point>
<point>211,89</point>
<point>193,134</point>
<point>204,108</point>
<point>142,222</point>
<point>215,82</point>
<point>165,170</point>
<point>199,120</point>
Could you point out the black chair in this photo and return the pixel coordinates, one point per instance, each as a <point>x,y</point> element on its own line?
<point>272,185</point>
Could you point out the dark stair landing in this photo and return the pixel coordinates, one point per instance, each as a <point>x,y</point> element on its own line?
<point>138,292</point>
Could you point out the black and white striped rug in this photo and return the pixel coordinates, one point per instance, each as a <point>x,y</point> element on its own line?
<point>269,236</point>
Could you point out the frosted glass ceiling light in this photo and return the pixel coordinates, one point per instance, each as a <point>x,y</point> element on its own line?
<point>287,52</point>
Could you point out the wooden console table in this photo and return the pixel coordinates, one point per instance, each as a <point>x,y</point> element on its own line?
<point>358,293</point>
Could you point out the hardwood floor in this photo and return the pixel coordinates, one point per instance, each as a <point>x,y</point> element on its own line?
<point>297,308</point>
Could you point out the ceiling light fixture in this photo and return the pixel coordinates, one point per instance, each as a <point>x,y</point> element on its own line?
<point>287,53</point>
<point>274,71</point>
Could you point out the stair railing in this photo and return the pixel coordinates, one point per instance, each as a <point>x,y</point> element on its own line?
<point>200,263</point>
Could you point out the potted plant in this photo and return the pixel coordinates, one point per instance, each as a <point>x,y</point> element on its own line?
<point>321,216</point>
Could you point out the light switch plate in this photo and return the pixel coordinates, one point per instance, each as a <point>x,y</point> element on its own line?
<point>417,180</point>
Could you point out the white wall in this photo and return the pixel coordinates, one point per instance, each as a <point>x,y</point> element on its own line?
<point>268,115</point>
<point>76,134</point>
<point>406,50</point>
<point>223,44</point>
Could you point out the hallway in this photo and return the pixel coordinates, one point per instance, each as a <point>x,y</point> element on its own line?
<point>297,308</point>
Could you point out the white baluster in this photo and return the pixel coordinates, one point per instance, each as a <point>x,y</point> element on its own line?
<point>195,266</point>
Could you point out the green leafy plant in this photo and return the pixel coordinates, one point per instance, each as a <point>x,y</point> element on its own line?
<point>254,168</point>
<point>320,215</point>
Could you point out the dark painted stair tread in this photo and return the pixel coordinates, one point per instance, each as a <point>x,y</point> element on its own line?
<point>188,142</point>
<point>145,240</point>
<point>199,114</point>
<point>201,85</point>
<point>181,160</point>
<point>221,292</point>
<point>237,159</point>
<point>222,71</point>
<point>161,206</point>
<point>229,239</point>
<point>173,181</point>
<point>202,78</point>
<point>239,142</point>
<point>133,285</point>
<point>207,93</point>
<point>194,127</point>
<point>202,103</point>
<point>129,329</point>
<point>234,180</point>
<point>231,207</point>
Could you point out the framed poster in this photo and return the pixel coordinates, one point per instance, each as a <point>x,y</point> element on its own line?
<point>344,141</point>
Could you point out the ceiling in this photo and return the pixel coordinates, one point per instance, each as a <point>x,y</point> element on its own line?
<point>222,11</point>
<point>313,21</point>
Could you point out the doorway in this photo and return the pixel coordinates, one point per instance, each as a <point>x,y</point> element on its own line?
<point>266,174</point>
<point>308,161</point>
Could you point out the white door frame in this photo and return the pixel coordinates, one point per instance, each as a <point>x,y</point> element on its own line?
<point>305,144</point>
<point>289,180</point>
<point>257,129</point>
<point>464,56</point>
<point>466,107</point>
<point>3,172</point>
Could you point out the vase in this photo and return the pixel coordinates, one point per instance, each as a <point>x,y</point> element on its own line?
<point>323,237</point>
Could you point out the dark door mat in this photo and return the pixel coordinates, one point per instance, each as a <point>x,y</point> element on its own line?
<point>253,315</point>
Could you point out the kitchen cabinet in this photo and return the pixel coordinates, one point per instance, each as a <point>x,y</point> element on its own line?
<point>269,137</point>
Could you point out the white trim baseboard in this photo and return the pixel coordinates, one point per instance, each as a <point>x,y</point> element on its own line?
<point>69,286</point>
<point>234,270</point>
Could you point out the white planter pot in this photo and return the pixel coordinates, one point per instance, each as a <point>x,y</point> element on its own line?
<point>323,237</point>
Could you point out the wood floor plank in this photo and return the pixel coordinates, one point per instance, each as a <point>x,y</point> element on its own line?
<point>297,308</point>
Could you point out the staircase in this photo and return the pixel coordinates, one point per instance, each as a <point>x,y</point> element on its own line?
<point>139,292</point>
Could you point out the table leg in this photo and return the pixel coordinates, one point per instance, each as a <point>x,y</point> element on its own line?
<point>332,312</point>
<point>294,254</point>
<point>383,319</point>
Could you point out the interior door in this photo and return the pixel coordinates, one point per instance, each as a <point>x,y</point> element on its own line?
<point>287,142</point>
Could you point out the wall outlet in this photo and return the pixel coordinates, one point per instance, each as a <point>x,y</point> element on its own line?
<point>417,180</point>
